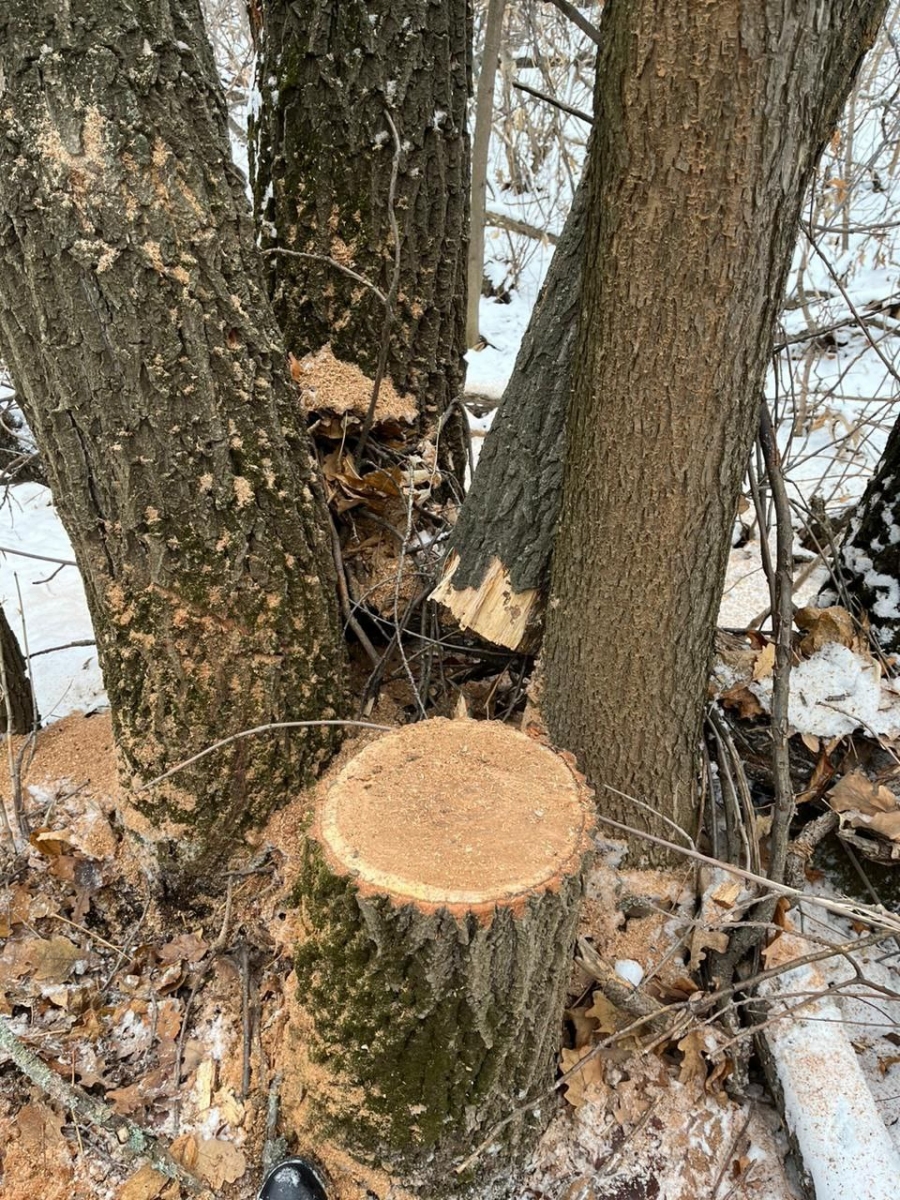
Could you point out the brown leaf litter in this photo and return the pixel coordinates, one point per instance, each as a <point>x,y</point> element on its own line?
<point>141,1007</point>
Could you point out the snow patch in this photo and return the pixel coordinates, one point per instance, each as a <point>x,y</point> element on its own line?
<point>834,692</point>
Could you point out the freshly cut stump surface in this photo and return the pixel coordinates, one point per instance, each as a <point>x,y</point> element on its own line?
<point>440,890</point>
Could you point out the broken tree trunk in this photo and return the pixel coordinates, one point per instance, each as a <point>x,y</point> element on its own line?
<point>499,556</point>
<point>440,894</point>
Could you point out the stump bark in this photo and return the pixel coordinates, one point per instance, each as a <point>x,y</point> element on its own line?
<point>440,893</point>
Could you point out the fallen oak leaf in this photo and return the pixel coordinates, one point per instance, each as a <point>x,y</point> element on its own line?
<point>145,1184</point>
<point>693,1064</point>
<point>50,842</point>
<point>53,959</point>
<point>217,1161</point>
<point>604,1012</point>
<point>864,804</point>
<point>823,625</point>
<point>765,662</point>
<point>856,792</point>
<point>589,1078</point>
<point>743,701</point>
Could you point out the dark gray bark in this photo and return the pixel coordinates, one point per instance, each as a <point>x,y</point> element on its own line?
<point>869,559</point>
<point>331,78</point>
<point>512,507</point>
<point>134,321</point>
<point>17,711</point>
<point>709,122</point>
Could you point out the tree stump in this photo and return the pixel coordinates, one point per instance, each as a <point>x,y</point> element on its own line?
<point>440,892</point>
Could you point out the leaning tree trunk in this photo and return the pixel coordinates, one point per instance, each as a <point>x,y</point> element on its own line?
<point>134,321</point>
<point>351,95</point>
<point>709,122</point>
<point>440,895</point>
<point>869,557</point>
<point>496,572</point>
<point>18,713</point>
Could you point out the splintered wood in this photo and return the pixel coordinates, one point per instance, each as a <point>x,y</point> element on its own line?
<point>494,609</point>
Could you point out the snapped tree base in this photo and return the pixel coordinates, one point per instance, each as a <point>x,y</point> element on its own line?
<point>493,609</point>
<point>440,893</point>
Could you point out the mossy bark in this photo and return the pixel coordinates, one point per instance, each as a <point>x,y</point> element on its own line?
<point>330,77</point>
<point>134,321</point>
<point>433,1026</point>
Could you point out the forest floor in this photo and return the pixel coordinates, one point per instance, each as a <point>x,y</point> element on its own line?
<point>184,1025</point>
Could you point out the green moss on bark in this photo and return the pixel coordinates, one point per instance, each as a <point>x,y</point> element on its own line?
<point>431,1026</point>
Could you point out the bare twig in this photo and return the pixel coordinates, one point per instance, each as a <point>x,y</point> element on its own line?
<point>246,1017</point>
<point>65,562</point>
<point>566,108</point>
<point>729,1156</point>
<point>513,225</point>
<point>344,594</point>
<point>888,365</point>
<point>391,298</point>
<point>19,836</point>
<point>188,762</point>
<point>577,17</point>
<point>35,715</point>
<point>783,621</point>
<point>338,266</point>
<point>67,646</point>
<point>866,913</point>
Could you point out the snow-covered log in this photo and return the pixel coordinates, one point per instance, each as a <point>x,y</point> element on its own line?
<point>829,1108</point>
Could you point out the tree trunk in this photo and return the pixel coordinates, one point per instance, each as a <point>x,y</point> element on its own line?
<point>440,897</point>
<point>869,558</point>
<point>333,78</point>
<point>18,713</point>
<point>481,143</point>
<point>496,572</point>
<point>134,321</point>
<point>709,122</point>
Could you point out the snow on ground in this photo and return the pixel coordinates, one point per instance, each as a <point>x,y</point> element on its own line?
<point>45,603</point>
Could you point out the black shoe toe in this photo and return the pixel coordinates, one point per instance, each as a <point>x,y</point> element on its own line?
<point>293,1179</point>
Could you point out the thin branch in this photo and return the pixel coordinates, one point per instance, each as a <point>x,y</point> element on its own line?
<point>391,298</point>
<point>566,108</point>
<point>67,646</point>
<point>344,595</point>
<point>512,225</point>
<point>869,914</point>
<point>783,617</point>
<point>188,762</point>
<point>889,366</point>
<point>332,262</point>
<point>65,562</point>
<point>578,18</point>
